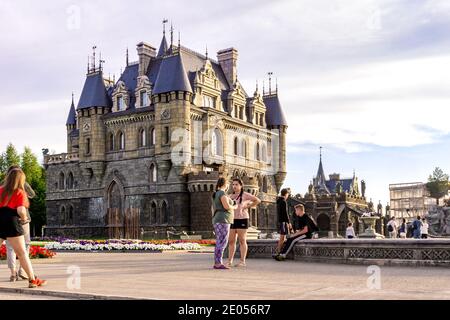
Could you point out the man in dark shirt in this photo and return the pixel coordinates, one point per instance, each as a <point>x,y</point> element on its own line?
<point>305,231</point>
<point>284,223</point>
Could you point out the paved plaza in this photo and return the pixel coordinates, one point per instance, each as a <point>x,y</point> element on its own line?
<point>183,275</point>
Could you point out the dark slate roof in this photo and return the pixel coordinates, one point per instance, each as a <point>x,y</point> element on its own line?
<point>172,76</point>
<point>163,47</point>
<point>274,111</point>
<point>71,118</point>
<point>74,133</point>
<point>346,184</point>
<point>94,92</point>
<point>129,77</point>
<point>320,180</point>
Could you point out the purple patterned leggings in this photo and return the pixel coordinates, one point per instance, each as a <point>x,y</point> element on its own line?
<point>222,231</point>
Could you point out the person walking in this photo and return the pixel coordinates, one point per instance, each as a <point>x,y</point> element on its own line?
<point>424,229</point>
<point>13,214</point>
<point>13,264</point>
<point>403,229</point>
<point>392,228</point>
<point>222,219</point>
<point>350,231</point>
<point>238,230</point>
<point>417,225</point>
<point>284,223</point>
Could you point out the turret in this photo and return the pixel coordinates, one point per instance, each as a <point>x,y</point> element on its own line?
<point>72,132</point>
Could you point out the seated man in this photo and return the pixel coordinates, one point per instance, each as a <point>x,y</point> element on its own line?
<point>306,228</point>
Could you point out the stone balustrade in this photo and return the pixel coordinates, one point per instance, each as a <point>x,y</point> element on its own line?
<point>412,252</point>
<point>61,158</point>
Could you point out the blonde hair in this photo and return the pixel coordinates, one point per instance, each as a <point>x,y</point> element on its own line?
<point>300,206</point>
<point>15,179</point>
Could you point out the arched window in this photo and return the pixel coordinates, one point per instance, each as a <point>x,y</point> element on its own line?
<point>88,146</point>
<point>70,220</point>
<point>217,144</point>
<point>244,148</point>
<point>153,173</point>
<point>70,181</point>
<point>143,98</point>
<point>153,219</point>
<point>142,138</point>
<point>152,137</point>
<point>236,146</point>
<point>164,213</point>
<point>62,181</point>
<point>257,152</point>
<point>264,185</point>
<point>264,153</point>
<point>63,215</point>
<point>121,141</point>
<point>111,142</point>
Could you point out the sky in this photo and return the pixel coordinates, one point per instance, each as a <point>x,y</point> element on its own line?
<point>368,80</point>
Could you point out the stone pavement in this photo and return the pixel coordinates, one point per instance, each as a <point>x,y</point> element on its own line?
<point>183,275</point>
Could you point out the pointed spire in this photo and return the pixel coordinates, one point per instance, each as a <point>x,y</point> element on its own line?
<point>93,57</point>
<point>88,64</point>
<point>276,85</point>
<point>320,180</point>
<point>71,118</point>
<point>270,73</point>
<point>172,76</point>
<point>171,35</point>
<point>179,40</point>
<point>206,52</point>
<point>264,89</point>
<point>127,58</point>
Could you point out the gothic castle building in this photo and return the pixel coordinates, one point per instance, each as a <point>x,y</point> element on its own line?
<point>157,140</point>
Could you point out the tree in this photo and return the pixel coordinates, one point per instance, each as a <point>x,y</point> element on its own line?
<point>8,158</point>
<point>438,184</point>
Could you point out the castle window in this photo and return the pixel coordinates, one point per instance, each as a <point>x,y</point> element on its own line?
<point>120,104</point>
<point>244,148</point>
<point>62,181</point>
<point>236,111</point>
<point>261,119</point>
<point>153,173</point>
<point>164,213</point>
<point>257,152</point>
<point>166,135</point>
<point>217,145</point>
<point>264,185</point>
<point>142,138</point>
<point>70,218</point>
<point>121,141</point>
<point>209,102</point>
<point>264,153</point>
<point>63,215</point>
<point>241,113</point>
<point>70,181</point>
<point>236,146</point>
<point>111,142</point>
<point>88,146</point>
<point>143,98</point>
<point>152,137</point>
<point>153,219</point>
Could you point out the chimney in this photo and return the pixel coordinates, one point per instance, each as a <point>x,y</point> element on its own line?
<point>228,61</point>
<point>335,176</point>
<point>145,53</point>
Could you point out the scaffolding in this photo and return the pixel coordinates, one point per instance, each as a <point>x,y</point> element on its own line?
<point>408,200</point>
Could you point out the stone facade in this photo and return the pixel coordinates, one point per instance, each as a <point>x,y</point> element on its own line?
<point>140,143</point>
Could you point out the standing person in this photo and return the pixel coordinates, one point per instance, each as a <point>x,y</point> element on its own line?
<point>424,229</point>
<point>392,228</point>
<point>417,225</point>
<point>13,265</point>
<point>13,213</point>
<point>284,223</point>
<point>350,232</point>
<point>238,229</point>
<point>306,229</point>
<point>222,219</point>
<point>403,229</point>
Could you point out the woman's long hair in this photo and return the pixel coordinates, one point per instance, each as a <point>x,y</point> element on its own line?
<point>15,179</point>
<point>220,183</point>
<point>242,188</point>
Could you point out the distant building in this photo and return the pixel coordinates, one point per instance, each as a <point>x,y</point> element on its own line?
<point>335,202</point>
<point>407,200</point>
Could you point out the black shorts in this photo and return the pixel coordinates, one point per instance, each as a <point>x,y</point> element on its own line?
<point>283,228</point>
<point>10,225</point>
<point>239,224</point>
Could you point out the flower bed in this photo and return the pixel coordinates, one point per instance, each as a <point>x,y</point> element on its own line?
<point>120,245</point>
<point>36,252</point>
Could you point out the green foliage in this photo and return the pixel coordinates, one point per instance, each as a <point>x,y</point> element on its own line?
<point>438,184</point>
<point>35,178</point>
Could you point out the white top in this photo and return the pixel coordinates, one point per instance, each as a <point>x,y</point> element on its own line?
<point>393,223</point>
<point>424,228</point>
<point>350,232</point>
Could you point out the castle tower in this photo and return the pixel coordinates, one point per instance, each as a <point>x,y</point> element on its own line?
<point>71,126</point>
<point>172,95</point>
<point>276,120</point>
<point>94,102</point>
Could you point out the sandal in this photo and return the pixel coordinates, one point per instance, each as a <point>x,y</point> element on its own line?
<point>229,264</point>
<point>36,283</point>
<point>12,278</point>
<point>221,267</point>
<point>241,265</point>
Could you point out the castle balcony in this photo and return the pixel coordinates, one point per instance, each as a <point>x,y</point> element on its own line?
<point>50,159</point>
